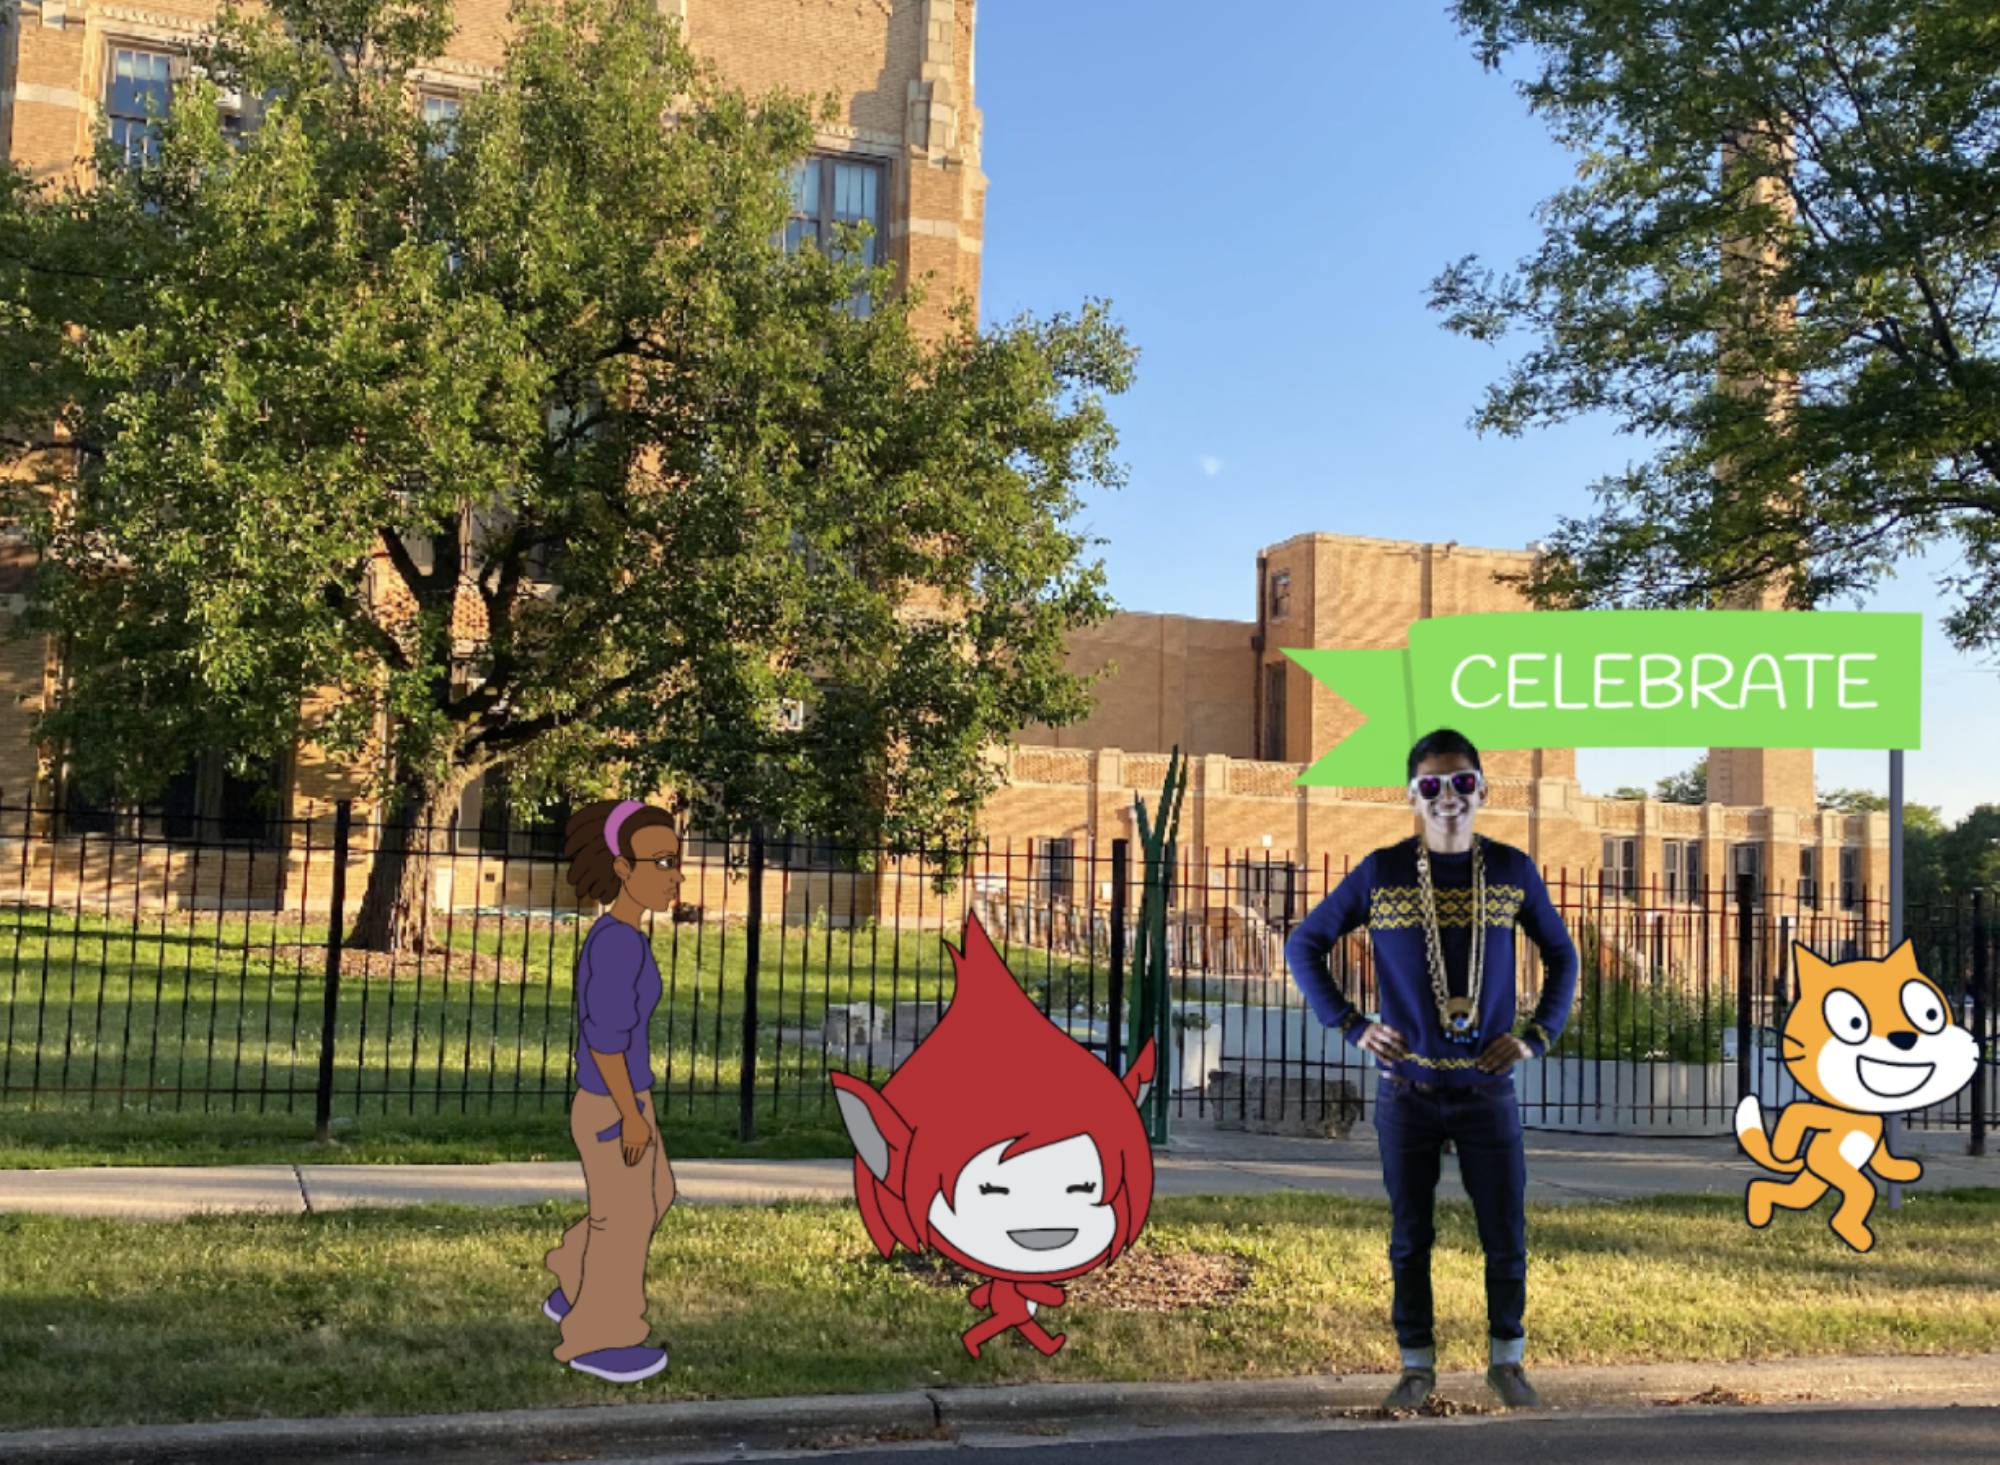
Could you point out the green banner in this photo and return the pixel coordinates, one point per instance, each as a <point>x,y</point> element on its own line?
<point>1627,679</point>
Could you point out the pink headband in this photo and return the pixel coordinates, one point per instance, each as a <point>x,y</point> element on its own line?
<point>626,808</point>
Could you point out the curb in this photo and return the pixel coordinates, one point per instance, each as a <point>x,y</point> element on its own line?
<point>850,1420</point>
<point>518,1434</point>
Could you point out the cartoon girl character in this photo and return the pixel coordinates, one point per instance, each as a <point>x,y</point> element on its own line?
<point>627,855</point>
<point>1004,1144</point>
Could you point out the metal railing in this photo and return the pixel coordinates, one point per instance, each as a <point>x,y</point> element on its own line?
<point>151,974</point>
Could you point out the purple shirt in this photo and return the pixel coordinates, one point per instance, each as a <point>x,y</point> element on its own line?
<point>617,988</point>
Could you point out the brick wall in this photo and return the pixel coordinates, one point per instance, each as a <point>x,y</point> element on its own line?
<point>1168,679</point>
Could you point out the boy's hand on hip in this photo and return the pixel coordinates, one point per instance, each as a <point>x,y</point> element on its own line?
<point>1384,1042</point>
<point>1502,1054</point>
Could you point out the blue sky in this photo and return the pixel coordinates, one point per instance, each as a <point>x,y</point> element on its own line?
<point>1264,194</point>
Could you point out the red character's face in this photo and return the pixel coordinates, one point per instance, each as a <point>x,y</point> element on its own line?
<point>1042,1212</point>
<point>1002,1141</point>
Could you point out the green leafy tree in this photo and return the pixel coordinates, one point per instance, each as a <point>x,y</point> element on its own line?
<point>1859,801</point>
<point>1832,403</point>
<point>1924,883</point>
<point>1689,786</point>
<point>525,445</point>
<point>1969,853</point>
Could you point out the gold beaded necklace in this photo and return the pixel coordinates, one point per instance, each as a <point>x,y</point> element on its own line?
<point>1459,1015</point>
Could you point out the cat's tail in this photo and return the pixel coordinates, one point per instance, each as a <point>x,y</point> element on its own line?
<point>1756,1144</point>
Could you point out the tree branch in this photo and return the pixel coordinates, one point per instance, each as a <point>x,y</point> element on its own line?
<point>366,626</point>
<point>507,737</point>
<point>414,580</point>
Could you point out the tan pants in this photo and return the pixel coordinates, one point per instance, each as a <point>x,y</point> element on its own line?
<point>601,1261</point>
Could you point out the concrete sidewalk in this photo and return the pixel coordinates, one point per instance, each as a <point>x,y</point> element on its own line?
<point>1201,1160</point>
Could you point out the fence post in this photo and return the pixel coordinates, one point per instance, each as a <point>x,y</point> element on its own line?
<point>1746,958</point>
<point>1114,1026</point>
<point>1981,974</point>
<point>336,919</point>
<point>753,940</point>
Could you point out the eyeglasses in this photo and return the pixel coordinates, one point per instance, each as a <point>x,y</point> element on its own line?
<point>1465,783</point>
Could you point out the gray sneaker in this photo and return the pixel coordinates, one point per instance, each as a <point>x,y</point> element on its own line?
<point>1412,1389</point>
<point>1511,1384</point>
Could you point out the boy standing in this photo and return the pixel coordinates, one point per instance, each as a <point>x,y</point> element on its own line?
<point>1445,1043</point>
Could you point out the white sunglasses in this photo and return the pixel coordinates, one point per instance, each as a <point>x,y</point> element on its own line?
<point>1465,783</point>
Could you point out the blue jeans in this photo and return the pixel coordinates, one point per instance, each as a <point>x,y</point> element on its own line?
<point>1484,1122</point>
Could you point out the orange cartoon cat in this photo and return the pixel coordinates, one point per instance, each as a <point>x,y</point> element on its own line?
<point>1867,1038</point>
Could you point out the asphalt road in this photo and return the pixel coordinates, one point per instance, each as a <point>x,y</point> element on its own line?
<point>1961,1435</point>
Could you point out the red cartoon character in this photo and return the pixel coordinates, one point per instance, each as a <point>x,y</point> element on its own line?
<point>1005,1145</point>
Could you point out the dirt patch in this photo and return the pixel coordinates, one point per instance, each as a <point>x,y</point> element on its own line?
<point>846,1439</point>
<point>1435,1407</point>
<point>1142,1280</point>
<point>1714,1395</point>
<point>406,966</point>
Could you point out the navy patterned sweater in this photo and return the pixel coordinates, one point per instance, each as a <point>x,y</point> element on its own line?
<point>1382,893</point>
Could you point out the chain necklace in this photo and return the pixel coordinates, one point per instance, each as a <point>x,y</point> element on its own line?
<point>1459,1015</point>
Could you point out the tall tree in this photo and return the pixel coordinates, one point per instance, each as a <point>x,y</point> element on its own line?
<point>1830,407</point>
<point>528,446</point>
<point>1969,852</point>
<point>1689,786</point>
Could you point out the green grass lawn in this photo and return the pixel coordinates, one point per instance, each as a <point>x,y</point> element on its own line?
<point>436,1309</point>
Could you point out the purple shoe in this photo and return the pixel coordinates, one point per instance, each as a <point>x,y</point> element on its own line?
<point>555,1307</point>
<point>621,1365</point>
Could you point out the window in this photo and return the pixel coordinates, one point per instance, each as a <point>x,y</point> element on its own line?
<point>486,820</point>
<point>1809,878</point>
<point>1269,887</point>
<point>797,850</point>
<point>585,403</point>
<point>423,550</point>
<point>440,112</point>
<point>1059,868</point>
<point>1683,870</point>
<point>1850,879</point>
<point>85,811</point>
<point>544,831</point>
<point>1274,712</point>
<point>204,803</point>
<point>1619,873</point>
<point>486,535</point>
<point>482,813</point>
<point>828,191</point>
<point>1746,868</point>
<point>1281,595</point>
<point>135,99</point>
<point>207,802</point>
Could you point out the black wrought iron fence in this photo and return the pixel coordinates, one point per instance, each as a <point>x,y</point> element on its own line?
<point>151,971</point>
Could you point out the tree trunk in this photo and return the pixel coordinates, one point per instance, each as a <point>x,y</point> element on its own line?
<point>396,909</point>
